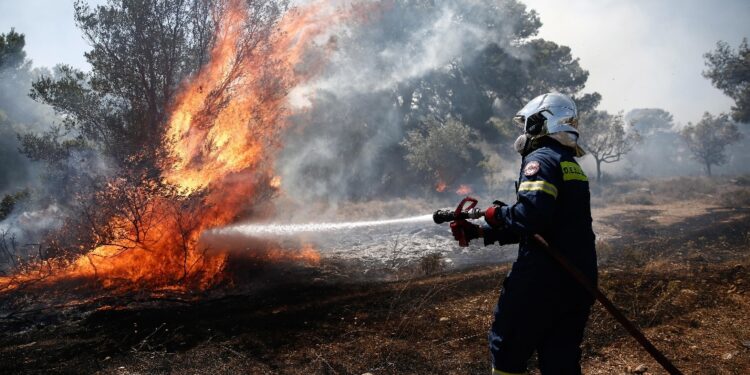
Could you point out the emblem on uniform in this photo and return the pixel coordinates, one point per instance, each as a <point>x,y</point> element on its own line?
<point>531,168</point>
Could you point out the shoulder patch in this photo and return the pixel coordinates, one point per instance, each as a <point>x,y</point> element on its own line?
<point>572,171</point>
<point>531,168</point>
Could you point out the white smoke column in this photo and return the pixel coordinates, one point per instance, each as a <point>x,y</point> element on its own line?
<point>350,124</point>
<point>366,63</point>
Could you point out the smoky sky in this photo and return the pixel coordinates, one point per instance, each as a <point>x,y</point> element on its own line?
<point>644,54</point>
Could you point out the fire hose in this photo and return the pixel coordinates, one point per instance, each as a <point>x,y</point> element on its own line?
<point>461,214</point>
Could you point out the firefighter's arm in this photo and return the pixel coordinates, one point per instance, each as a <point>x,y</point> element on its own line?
<point>501,236</point>
<point>537,193</point>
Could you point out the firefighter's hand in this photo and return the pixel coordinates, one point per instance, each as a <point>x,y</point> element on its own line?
<point>466,230</point>
<point>492,215</point>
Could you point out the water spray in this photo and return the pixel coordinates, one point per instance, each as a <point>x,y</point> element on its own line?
<point>278,229</point>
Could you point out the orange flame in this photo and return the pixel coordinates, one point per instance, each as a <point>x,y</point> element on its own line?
<point>275,182</point>
<point>307,254</point>
<point>227,119</point>
<point>441,186</point>
<point>464,190</point>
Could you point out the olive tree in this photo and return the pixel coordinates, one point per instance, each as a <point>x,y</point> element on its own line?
<point>708,139</point>
<point>605,137</point>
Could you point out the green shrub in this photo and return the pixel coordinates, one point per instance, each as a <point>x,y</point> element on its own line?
<point>9,203</point>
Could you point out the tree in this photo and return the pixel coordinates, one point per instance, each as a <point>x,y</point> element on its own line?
<point>13,68</point>
<point>587,102</point>
<point>441,150</point>
<point>605,138</point>
<point>9,202</point>
<point>12,54</point>
<point>659,152</point>
<point>707,140</point>
<point>648,121</point>
<point>408,65</point>
<point>729,71</point>
<point>17,111</point>
<point>141,51</point>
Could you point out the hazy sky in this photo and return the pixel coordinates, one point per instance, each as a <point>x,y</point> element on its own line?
<point>51,34</point>
<point>640,53</point>
<point>647,53</point>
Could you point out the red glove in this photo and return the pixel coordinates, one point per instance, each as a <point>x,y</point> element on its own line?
<point>492,215</point>
<point>464,231</point>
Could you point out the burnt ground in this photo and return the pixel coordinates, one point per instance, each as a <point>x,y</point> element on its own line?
<point>684,280</point>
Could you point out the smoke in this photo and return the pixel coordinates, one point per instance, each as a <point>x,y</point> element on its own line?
<point>18,114</point>
<point>25,217</point>
<point>403,43</point>
<point>662,152</point>
<point>345,142</point>
<point>35,197</point>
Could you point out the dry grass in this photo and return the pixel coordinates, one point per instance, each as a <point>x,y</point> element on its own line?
<point>683,279</point>
<point>655,191</point>
<point>738,197</point>
<point>721,191</point>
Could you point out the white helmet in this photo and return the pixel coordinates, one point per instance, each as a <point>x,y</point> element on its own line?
<point>548,114</point>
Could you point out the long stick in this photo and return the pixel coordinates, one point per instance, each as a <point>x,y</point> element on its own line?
<point>629,326</point>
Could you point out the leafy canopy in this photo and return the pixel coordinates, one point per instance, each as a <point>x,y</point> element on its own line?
<point>729,71</point>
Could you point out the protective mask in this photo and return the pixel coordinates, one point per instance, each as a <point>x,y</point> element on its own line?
<point>569,140</point>
<point>522,144</point>
<point>566,139</point>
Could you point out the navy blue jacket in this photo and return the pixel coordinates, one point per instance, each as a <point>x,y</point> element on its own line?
<point>553,201</point>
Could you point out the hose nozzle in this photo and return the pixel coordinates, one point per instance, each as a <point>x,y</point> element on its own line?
<point>447,215</point>
<point>443,216</point>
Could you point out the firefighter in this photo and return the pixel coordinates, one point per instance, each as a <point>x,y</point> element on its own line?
<point>540,306</point>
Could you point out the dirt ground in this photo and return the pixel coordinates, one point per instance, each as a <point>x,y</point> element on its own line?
<point>679,270</point>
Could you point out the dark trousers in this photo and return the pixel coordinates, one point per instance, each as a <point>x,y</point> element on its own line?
<point>533,316</point>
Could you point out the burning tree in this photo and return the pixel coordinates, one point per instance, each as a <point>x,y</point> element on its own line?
<point>141,52</point>
<point>184,103</point>
<point>605,138</point>
<point>708,139</point>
